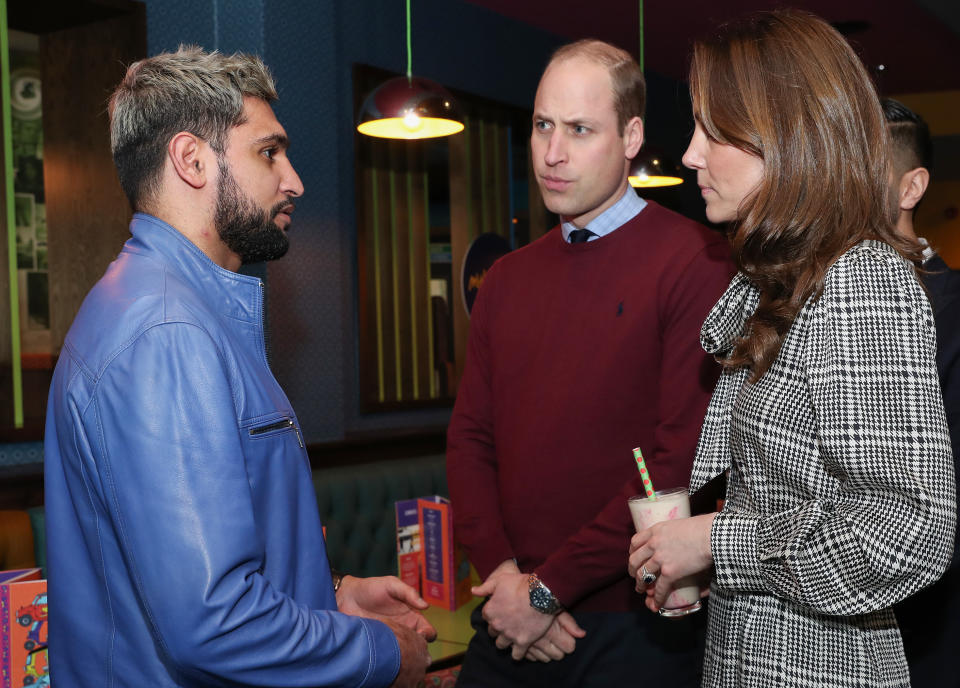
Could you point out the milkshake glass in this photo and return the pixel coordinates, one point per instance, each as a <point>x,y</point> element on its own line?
<point>667,505</point>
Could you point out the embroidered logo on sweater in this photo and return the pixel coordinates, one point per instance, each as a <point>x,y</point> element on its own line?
<point>620,309</point>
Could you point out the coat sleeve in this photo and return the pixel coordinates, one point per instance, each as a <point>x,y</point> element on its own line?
<point>171,472</point>
<point>887,530</point>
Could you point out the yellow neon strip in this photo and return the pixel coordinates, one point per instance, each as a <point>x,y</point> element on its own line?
<point>468,169</point>
<point>376,281</point>
<point>484,227</point>
<point>497,181</point>
<point>413,287</point>
<point>7,126</point>
<point>426,228</point>
<point>394,262</point>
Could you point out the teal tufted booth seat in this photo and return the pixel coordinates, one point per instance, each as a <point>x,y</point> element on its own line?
<point>19,459</point>
<point>39,537</point>
<point>21,453</point>
<point>357,508</point>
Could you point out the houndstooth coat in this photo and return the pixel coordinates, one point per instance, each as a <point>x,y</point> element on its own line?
<point>840,497</point>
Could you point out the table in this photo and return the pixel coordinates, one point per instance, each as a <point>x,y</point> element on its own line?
<point>453,633</point>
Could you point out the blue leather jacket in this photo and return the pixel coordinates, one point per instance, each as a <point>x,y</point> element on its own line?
<point>184,542</point>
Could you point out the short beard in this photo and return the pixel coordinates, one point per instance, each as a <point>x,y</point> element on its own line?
<point>246,229</point>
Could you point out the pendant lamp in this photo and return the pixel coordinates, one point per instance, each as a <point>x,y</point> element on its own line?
<point>652,167</point>
<point>409,107</point>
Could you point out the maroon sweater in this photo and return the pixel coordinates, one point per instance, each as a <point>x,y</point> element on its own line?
<point>577,354</point>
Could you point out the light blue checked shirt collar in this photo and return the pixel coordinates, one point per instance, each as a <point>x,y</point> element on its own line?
<point>617,215</point>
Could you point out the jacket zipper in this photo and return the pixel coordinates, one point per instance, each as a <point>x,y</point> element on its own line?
<point>264,344</point>
<point>279,425</point>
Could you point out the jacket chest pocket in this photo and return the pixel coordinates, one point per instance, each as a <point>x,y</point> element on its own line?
<point>274,453</point>
<point>275,427</point>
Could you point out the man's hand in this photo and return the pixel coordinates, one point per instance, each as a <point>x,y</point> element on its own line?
<point>386,599</point>
<point>511,619</point>
<point>559,641</point>
<point>508,566</point>
<point>414,657</point>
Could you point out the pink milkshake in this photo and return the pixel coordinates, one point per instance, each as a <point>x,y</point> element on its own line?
<point>667,505</point>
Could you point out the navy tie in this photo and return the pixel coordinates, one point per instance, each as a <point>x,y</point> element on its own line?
<point>579,236</point>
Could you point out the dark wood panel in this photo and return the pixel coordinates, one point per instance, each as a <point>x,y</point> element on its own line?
<point>44,16</point>
<point>460,237</point>
<point>478,177</point>
<point>385,269</point>
<point>368,363</point>
<point>501,180</point>
<point>367,447</point>
<point>87,213</point>
<point>470,178</point>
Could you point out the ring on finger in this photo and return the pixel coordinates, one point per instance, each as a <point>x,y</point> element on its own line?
<point>647,577</point>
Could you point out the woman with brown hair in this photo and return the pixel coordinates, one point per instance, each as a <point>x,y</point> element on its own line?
<point>828,416</point>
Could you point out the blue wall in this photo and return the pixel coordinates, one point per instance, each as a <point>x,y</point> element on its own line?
<point>311,47</point>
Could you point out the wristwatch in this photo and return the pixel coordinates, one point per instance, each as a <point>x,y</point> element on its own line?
<point>541,598</point>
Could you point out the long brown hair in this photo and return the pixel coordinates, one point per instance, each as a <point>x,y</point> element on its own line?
<point>785,86</point>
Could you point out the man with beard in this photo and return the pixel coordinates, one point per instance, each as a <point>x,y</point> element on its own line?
<point>185,547</point>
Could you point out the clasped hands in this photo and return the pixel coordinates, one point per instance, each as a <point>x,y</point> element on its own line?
<point>390,600</point>
<point>515,624</point>
<point>671,551</point>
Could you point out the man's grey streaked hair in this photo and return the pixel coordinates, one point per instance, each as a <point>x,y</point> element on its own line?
<point>187,90</point>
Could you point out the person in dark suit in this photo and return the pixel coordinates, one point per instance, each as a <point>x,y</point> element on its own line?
<point>930,620</point>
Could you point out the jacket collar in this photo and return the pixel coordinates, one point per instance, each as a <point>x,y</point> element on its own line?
<point>725,321</point>
<point>229,293</point>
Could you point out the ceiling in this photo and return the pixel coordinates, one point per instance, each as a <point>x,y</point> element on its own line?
<point>915,41</point>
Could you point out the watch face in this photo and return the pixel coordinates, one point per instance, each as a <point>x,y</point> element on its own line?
<point>543,600</point>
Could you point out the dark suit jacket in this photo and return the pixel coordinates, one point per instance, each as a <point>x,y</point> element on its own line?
<point>944,287</point>
<point>930,620</point>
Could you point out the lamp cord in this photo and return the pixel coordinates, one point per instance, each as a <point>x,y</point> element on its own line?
<point>409,47</point>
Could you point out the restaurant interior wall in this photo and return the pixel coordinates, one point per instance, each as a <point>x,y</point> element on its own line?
<point>312,48</point>
<point>70,216</point>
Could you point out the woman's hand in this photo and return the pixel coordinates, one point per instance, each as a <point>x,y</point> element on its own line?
<point>672,551</point>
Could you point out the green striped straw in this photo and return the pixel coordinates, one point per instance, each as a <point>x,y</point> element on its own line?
<point>642,465</point>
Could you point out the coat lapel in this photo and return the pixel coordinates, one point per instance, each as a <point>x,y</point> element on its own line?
<point>720,330</point>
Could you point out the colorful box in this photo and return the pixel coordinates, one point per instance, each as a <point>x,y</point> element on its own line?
<point>444,569</point>
<point>408,542</point>
<point>23,629</point>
